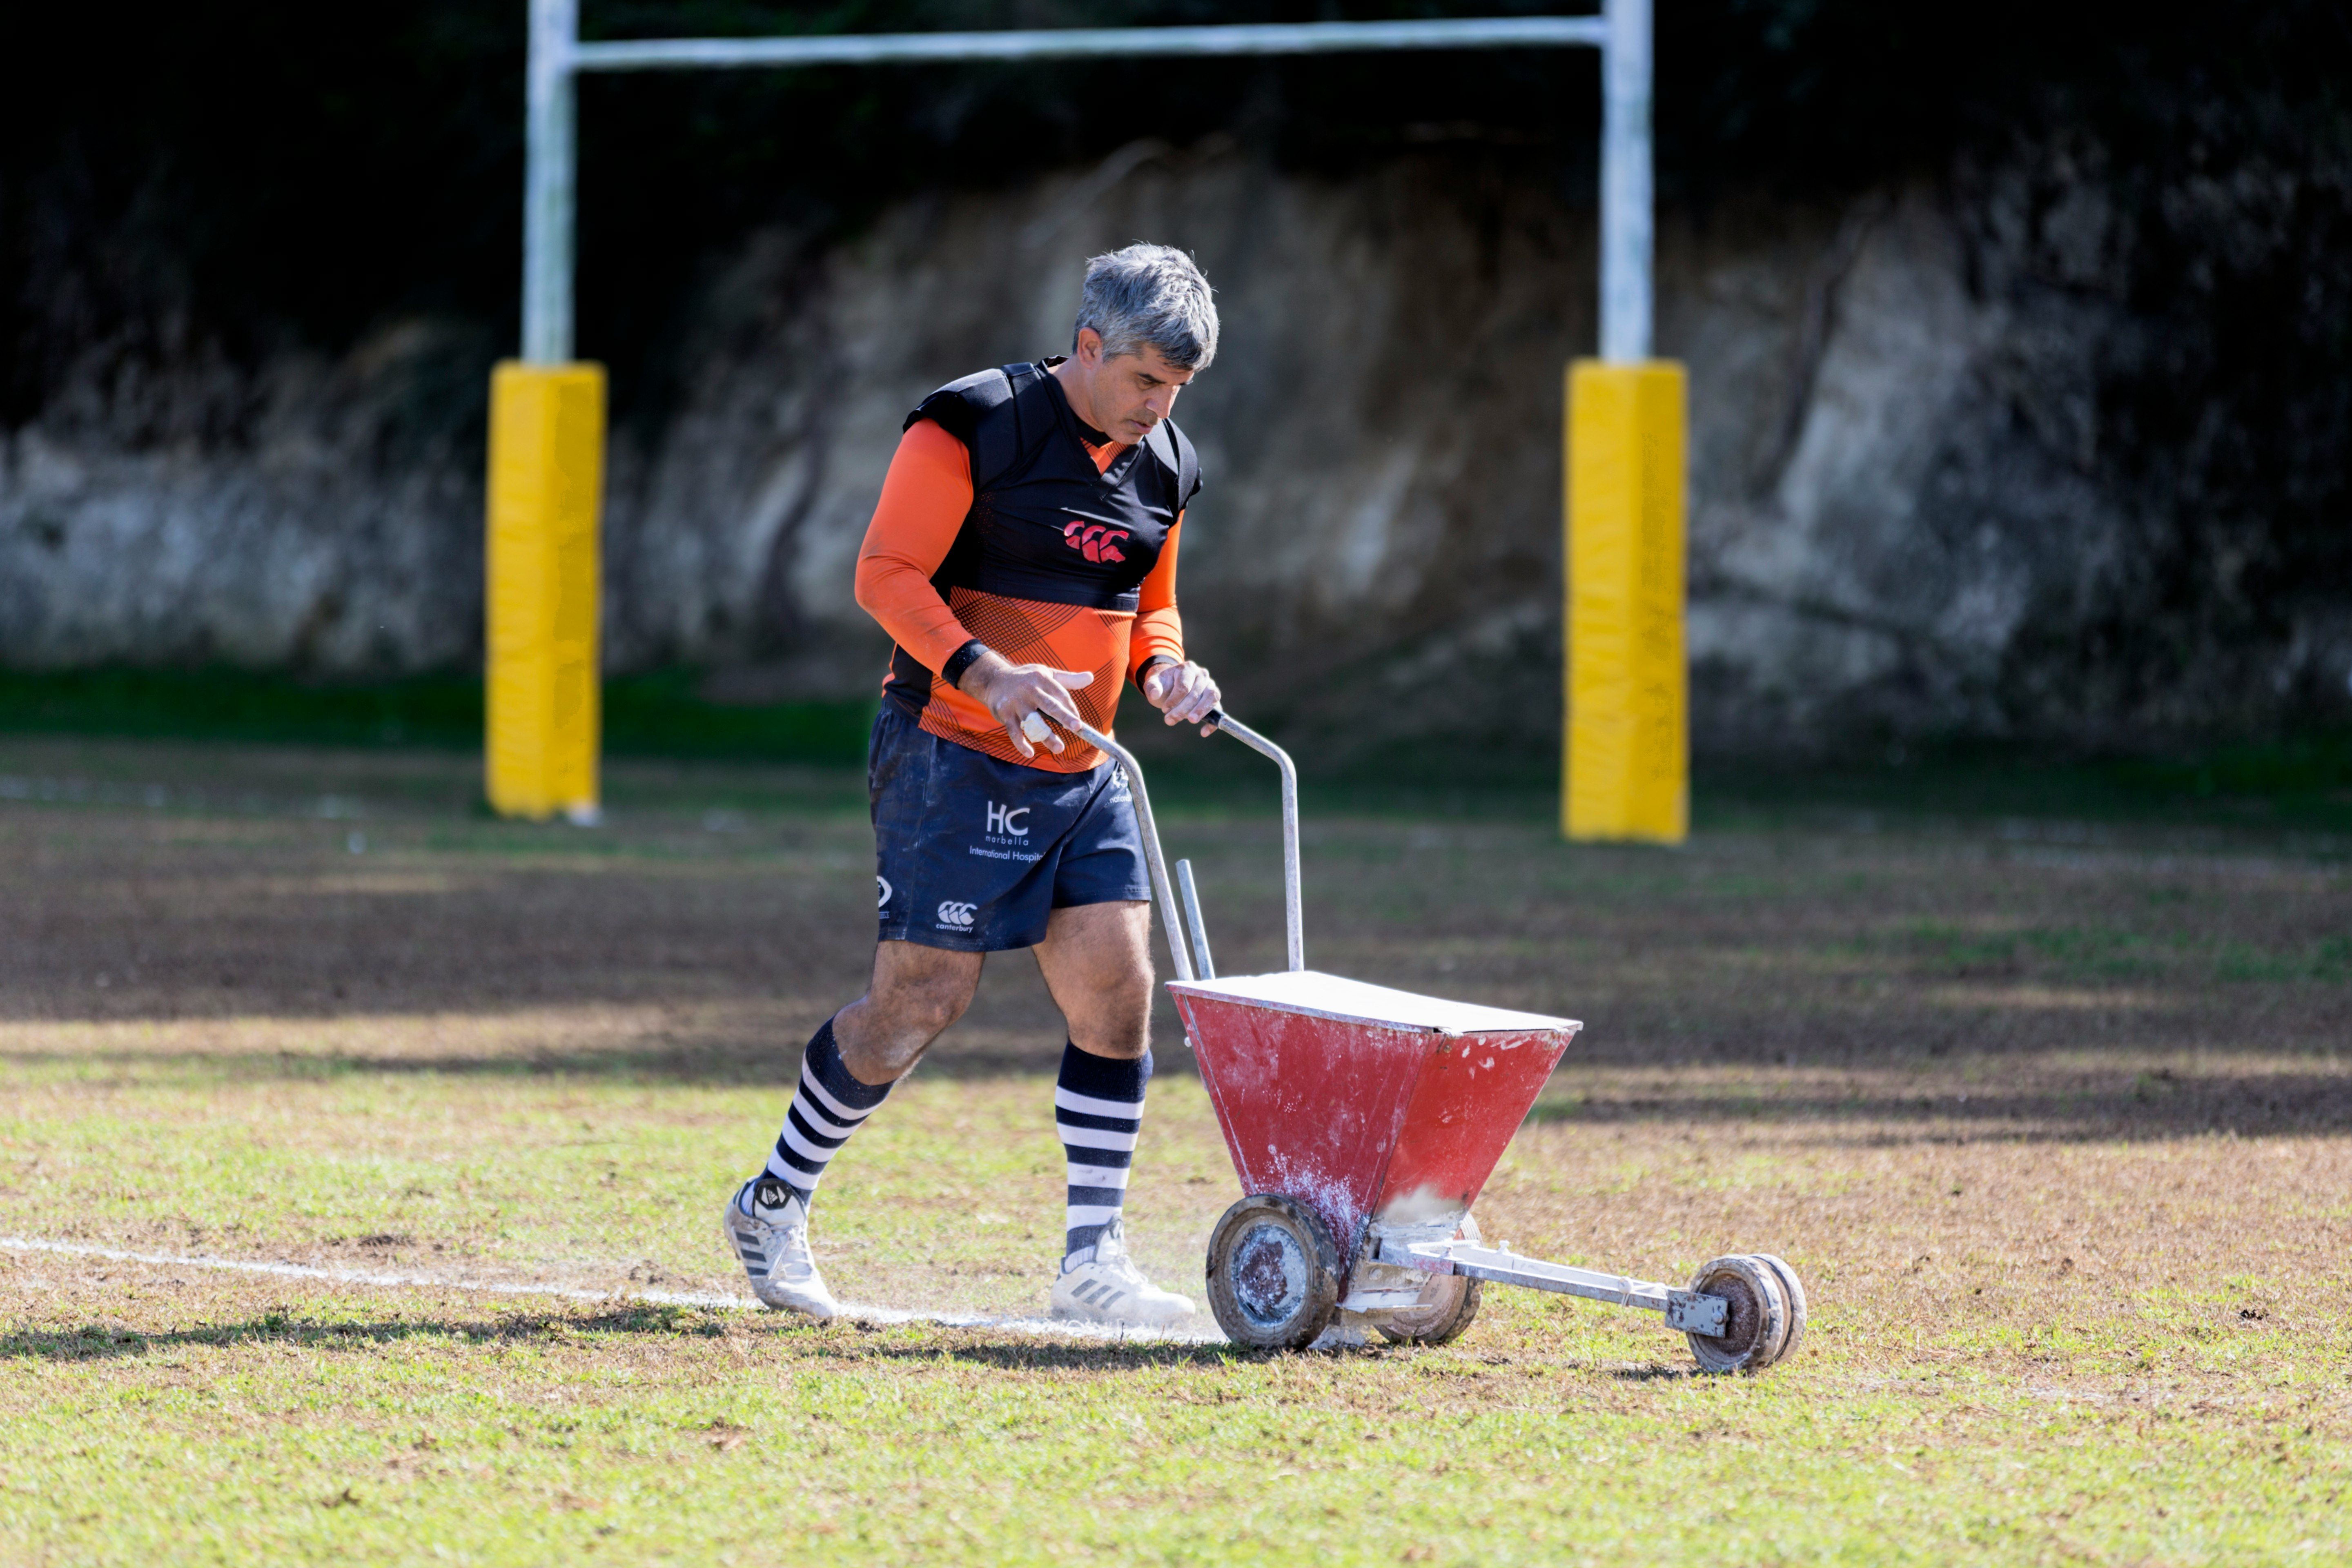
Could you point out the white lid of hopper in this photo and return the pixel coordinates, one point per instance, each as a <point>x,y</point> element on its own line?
<point>1352,1001</point>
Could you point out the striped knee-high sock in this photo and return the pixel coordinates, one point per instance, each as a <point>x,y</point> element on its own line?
<point>1098,1108</point>
<point>826,1109</point>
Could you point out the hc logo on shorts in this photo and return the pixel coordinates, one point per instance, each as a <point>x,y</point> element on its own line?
<point>1001,819</point>
<point>959,916</point>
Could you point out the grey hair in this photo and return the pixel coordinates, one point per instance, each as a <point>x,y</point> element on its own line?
<point>1150,294</point>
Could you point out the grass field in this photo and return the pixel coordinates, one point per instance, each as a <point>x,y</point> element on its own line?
<point>2051,1113</point>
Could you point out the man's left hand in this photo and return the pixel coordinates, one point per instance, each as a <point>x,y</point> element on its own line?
<point>1185,692</point>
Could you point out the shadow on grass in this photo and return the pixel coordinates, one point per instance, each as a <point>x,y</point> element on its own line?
<point>2126,1103</point>
<point>1048,1356</point>
<point>2131,1106</point>
<point>769,1065</point>
<point>845,1341</point>
<point>98,1342</point>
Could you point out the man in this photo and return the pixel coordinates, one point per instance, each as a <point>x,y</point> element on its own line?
<point>1022,559</point>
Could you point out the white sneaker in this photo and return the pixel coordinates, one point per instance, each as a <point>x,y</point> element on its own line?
<point>775,1252</point>
<point>1101,1284</point>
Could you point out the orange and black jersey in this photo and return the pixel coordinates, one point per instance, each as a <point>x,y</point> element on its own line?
<point>1006,519</point>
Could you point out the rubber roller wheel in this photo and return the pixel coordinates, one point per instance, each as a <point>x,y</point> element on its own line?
<point>1448,1305</point>
<point>1757,1332</point>
<point>1794,1289</point>
<point>1273,1273</point>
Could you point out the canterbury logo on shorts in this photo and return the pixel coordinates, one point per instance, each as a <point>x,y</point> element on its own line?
<point>976,854</point>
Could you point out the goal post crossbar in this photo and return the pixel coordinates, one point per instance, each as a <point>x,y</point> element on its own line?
<point>1067,43</point>
<point>1620,32</point>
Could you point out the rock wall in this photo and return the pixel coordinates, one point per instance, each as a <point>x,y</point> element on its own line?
<point>177,508</point>
<point>1913,510</point>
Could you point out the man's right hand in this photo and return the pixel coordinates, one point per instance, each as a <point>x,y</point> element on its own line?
<point>1011,693</point>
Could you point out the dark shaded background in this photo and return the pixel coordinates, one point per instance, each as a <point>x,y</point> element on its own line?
<point>246,177</point>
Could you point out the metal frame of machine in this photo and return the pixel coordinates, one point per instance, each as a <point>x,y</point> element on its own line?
<point>1361,1150</point>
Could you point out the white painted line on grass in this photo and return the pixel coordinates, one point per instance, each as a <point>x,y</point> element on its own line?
<point>1046,1326</point>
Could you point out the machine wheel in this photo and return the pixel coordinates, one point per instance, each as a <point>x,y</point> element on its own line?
<point>1794,1289</point>
<point>1273,1273</point>
<point>1758,1332</point>
<point>1448,1305</point>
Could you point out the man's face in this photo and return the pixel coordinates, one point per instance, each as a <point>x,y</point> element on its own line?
<point>1132,393</point>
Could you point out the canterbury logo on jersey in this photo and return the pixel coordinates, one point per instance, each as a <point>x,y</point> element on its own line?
<point>1094,541</point>
<point>958,916</point>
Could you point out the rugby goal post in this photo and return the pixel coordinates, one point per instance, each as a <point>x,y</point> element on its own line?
<point>1625,764</point>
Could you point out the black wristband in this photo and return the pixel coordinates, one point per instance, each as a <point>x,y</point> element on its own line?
<point>960,660</point>
<point>1145,669</point>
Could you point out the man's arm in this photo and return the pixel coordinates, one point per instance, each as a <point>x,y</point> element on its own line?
<point>1158,629</point>
<point>1179,689</point>
<point>925,497</point>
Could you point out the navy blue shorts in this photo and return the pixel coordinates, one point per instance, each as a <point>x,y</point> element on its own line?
<point>973,854</point>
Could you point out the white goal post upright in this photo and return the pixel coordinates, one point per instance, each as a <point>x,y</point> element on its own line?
<point>546,414</point>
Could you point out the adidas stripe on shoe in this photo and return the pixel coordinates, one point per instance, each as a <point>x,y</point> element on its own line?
<point>766,1225</point>
<point>1101,1284</point>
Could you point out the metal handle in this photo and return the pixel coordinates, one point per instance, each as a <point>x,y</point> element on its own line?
<point>1163,888</point>
<point>1193,922</point>
<point>1293,920</point>
<point>1171,924</point>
